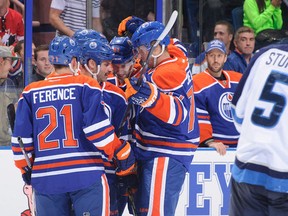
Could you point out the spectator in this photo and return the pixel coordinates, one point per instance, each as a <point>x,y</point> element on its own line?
<point>259,174</point>
<point>16,73</point>
<point>223,31</point>
<point>19,6</point>
<point>43,66</point>
<point>12,26</point>
<point>265,18</point>
<point>68,16</point>
<point>244,42</point>
<point>165,139</point>
<point>214,89</point>
<point>66,151</point>
<point>8,94</point>
<point>262,14</point>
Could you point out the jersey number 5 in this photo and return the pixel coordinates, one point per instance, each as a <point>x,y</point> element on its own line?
<point>270,95</point>
<point>43,137</point>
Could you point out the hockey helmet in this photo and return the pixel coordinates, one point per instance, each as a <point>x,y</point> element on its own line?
<point>123,50</point>
<point>82,35</point>
<point>61,50</point>
<point>148,32</point>
<point>96,50</point>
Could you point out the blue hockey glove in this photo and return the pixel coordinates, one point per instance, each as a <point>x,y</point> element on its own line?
<point>27,175</point>
<point>129,24</point>
<point>144,95</point>
<point>125,160</point>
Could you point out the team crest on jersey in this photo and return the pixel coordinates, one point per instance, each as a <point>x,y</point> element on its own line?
<point>225,106</point>
<point>93,45</point>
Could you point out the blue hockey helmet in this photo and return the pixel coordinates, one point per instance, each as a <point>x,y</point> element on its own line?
<point>123,50</point>
<point>96,50</point>
<point>83,35</point>
<point>61,50</point>
<point>148,32</point>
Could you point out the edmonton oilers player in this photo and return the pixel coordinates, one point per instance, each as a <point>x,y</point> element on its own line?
<point>63,126</point>
<point>166,127</point>
<point>125,64</point>
<point>214,89</point>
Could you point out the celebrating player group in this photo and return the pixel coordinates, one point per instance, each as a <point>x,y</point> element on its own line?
<point>103,130</point>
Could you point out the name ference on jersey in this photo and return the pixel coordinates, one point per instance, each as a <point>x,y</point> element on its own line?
<point>54,95</point>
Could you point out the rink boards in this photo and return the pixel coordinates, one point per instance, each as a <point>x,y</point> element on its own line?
<point>206,189</point>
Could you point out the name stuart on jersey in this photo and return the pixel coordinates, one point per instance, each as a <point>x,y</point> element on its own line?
<point>277,59</point>
<point>54,95</point>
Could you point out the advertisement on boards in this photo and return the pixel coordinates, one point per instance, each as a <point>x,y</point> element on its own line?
<point>205,192</point>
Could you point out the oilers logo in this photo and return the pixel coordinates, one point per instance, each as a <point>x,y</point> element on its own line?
<point>224,106</point>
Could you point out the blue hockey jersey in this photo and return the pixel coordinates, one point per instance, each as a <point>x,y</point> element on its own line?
<point>170,128</point>
<point>213,101</point>
<point>63,125</point>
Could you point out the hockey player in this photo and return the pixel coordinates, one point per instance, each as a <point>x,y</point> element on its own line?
<point>260,172</point>
<point>214,89</point>
<point>63,126</point>
<point>166,128</point>
<point>125,64</point>
<point>95,59</point>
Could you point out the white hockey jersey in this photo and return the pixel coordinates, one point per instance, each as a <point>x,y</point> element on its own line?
<point>261,114</point>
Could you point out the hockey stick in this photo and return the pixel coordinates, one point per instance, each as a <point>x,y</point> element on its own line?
<point>24,152</point>
<point>166,30</point>
<point>11,118</point>
<point>30,166</point>
<point>11,115</point>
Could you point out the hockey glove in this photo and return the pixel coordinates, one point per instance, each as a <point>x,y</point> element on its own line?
<point>125,160</point>
<point>27,175</point>
<point>129,24</point>
<point>144,95</point>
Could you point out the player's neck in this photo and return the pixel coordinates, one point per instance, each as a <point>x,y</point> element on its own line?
<point>63,70</point>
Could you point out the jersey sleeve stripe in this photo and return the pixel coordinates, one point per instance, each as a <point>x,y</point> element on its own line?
<point>165,143</point>
<point>97,126</point>
<point>66,164</point>
<point>100,134</point>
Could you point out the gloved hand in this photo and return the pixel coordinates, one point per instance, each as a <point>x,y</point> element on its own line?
<point>144,95</point>
<point>129,24</point>
<point>27,175</point>
<point>127,184</point>
<point>125,160</point>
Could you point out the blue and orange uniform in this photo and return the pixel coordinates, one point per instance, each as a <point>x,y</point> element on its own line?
<point>213,101</point>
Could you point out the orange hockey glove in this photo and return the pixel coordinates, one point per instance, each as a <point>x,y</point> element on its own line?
<point>129,25</point>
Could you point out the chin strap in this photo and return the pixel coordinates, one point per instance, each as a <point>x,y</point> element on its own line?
<point>94,75</point>
<point>156,56</point>
<point>75,72</point>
